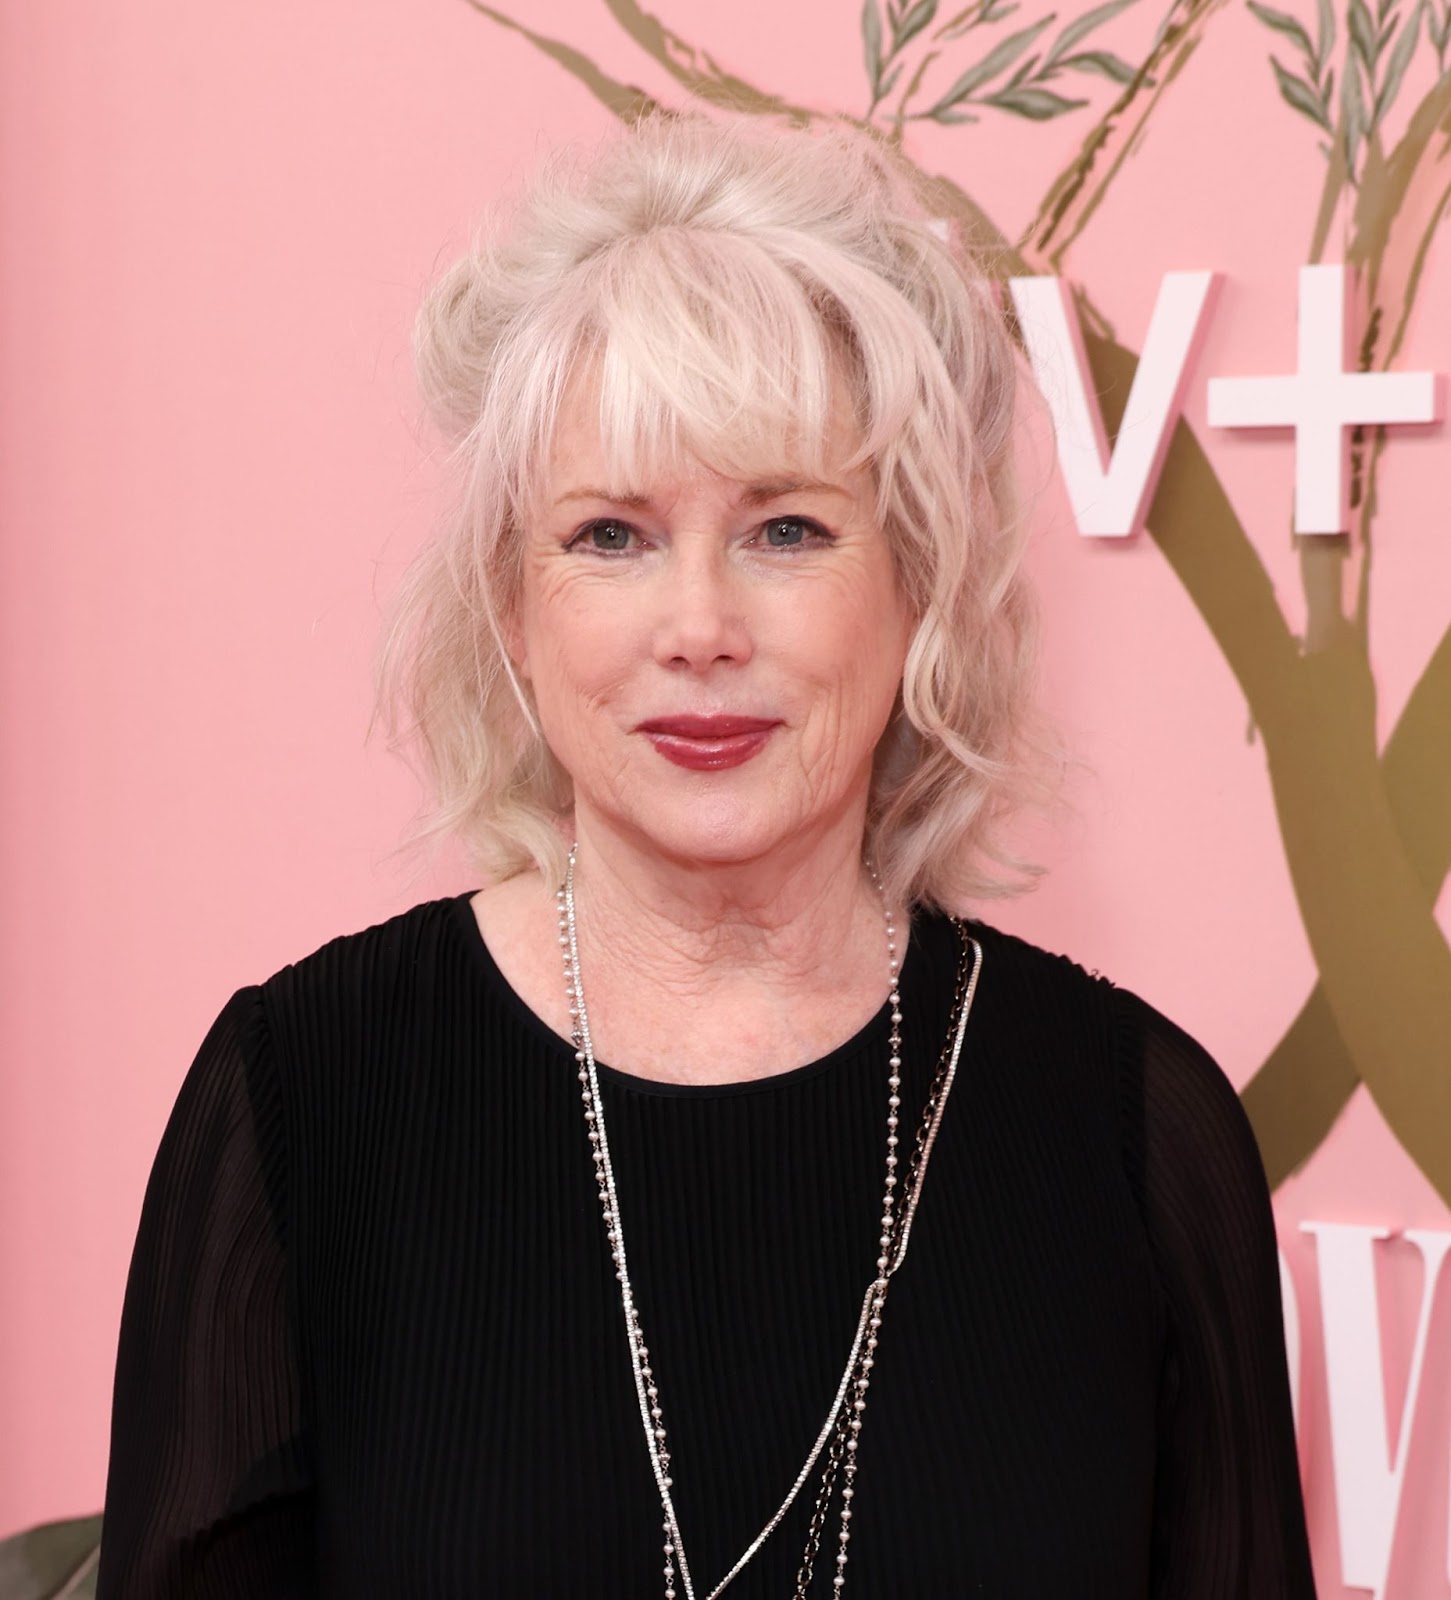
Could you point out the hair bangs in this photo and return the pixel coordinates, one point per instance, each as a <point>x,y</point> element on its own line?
<point>706,348</point>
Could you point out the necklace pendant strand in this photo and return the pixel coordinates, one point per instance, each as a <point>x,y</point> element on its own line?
<point>841,1431</point>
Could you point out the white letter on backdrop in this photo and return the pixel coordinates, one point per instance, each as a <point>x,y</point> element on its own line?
<point>1320,400</point>
<point>1291,1311</point>
<point>1368,1476</point>
<point>1110,493</point>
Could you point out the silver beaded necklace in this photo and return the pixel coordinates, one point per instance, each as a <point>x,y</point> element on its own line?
<point>842,1428</point>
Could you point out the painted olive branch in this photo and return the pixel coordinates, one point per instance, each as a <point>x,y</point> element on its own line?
<point>1438,26</point>
<point>1379,47</point>
<point>1295,1097</point>
<point>1075,194</point>
<point>1007,78</point>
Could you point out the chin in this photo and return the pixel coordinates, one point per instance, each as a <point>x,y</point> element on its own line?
<point>713,831</point>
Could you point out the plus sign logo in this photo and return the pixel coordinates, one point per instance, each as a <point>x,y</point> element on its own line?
<point>1319,402</point>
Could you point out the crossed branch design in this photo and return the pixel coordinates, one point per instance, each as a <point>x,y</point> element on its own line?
<point>1366,834</point>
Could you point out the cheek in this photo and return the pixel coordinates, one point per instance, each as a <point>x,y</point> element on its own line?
<point>577,664</point>
<point>574,674</point>
<point>560,633</point>
<point>855,651</point>
<point>872,631</point>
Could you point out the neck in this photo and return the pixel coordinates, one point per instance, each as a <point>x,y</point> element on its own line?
<point>702,973</point>
<point>697,926</point>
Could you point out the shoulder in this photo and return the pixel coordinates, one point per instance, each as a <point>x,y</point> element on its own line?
<point>1085,1051</point>
<point>347,982</point>
<point>1041,1044</point>
<point>1020,962</point>
<point>1084,1026</point>
<point>1184,1126</point>
<point>384,946</point>
<point>1054,991</point>
<point>1042,998</point>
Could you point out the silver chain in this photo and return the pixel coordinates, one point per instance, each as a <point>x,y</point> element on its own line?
<point>840,1432</point>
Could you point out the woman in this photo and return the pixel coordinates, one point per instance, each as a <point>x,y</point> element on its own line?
<point>553,1239</point>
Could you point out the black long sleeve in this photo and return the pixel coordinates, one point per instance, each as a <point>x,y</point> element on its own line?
<point>1229,1518</point>
<point>372,1344</point>
<point>208,1488</point>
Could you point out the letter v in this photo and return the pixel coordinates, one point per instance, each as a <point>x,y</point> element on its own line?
<point>1368,1477</point>
<point>1110,492</point>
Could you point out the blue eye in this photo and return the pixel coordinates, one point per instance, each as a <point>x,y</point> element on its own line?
<point>605,534</point>
<point>787,533</point>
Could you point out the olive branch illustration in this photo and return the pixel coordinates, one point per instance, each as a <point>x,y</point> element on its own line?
<point>1366,833</point>
<point>1000,80</point>
<point>1382,44</point>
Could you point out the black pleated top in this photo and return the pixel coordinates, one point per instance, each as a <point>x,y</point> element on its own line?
<point>372,1342</point>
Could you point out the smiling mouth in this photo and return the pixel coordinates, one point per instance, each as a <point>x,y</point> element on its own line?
<point>708,743</point>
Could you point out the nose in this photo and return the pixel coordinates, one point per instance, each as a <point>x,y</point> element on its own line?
<point>702,620</point>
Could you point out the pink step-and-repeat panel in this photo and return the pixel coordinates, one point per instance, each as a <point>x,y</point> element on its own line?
<point>1220,228</point>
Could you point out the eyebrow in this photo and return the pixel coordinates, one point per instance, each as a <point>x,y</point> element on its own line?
<point>756,494</point>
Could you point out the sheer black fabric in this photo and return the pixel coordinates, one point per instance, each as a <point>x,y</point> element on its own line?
<point>372,1344</point>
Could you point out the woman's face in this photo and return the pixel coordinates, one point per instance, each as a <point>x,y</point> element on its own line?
<point>713,660</point>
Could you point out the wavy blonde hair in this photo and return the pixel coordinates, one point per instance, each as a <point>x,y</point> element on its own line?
<point>716,278</point>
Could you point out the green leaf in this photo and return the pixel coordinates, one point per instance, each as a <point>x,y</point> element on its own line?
<point>966,13</point>
<point>872,43</point>
<point>997,60</point>
<point>1104,63</point>
<point>949,117</point>
<point>1082,26</point>
<point>968,17</point>
<point>1297,93</point>
<point>913,23</point>
<point>966,21</point>
<point>1023,69</point>
<point>1396,67</point>
<point>1324,33</point>
<point>1352,111</point>
<point>1362,32</point>
<point>58,1558</point>
<point>885,87</point>
<point>1283,22</point>
<point>1037,104</point>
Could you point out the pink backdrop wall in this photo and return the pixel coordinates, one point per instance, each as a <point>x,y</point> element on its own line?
<point>216,223</point>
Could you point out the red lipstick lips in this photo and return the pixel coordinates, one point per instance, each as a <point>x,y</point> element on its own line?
<point>708,743</point>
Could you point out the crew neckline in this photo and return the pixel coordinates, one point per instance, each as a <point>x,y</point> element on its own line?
<point>873,1033</point>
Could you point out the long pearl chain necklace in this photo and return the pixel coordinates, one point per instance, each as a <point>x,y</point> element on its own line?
<point>840,1432</point>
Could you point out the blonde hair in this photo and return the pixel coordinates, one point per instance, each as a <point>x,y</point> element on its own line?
<point>716,277</point>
